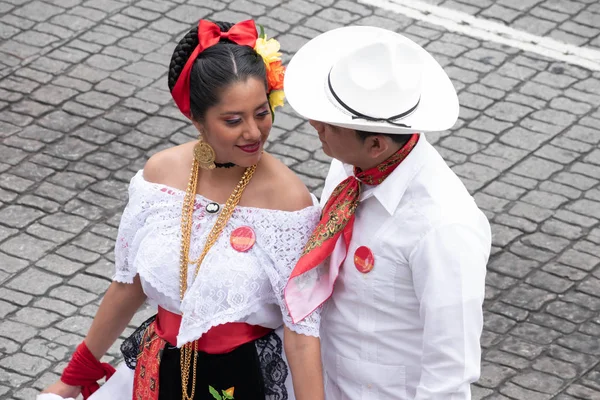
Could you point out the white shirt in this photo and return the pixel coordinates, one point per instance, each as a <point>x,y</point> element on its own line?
<point>410,328</point>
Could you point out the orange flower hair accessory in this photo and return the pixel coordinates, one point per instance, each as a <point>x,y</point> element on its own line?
<point>268,49</point>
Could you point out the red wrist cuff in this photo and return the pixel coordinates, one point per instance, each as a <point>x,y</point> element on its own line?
<point>84,370</point>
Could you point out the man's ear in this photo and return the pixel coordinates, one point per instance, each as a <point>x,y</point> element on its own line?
<point>377,145</point>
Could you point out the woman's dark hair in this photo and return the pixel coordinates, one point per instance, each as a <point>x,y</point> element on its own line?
<point>215,68</point>
<point>398,139</point>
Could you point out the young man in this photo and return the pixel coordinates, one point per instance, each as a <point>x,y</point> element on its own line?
<point>400,237</point>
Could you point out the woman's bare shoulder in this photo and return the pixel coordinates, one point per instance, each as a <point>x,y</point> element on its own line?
<point>170,166</point>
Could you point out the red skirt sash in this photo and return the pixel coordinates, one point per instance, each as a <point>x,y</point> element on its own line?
<point>218,340</point>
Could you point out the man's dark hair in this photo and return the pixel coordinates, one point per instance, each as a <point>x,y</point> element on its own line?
<point>398,139</point>
<point>215,68</point>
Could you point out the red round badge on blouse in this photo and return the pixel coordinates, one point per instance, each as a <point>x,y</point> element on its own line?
<point>243,238</point>
<point>364,260</point>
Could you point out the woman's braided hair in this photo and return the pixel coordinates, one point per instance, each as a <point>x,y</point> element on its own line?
<point>215,68</point>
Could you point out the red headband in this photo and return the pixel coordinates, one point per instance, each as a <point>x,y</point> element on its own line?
<point>243,33</point>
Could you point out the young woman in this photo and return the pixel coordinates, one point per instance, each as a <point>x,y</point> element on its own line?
<point>210,235</point>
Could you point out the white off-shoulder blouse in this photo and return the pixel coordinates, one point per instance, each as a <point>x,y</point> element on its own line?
<point>232,286</point>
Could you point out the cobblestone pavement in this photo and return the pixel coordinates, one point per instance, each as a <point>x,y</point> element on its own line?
<point>83,104</point>
<point>571,21</point>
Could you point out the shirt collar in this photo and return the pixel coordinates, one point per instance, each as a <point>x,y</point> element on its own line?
<point>390,191</point>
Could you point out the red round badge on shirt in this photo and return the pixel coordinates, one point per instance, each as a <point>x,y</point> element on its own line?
<point>243,238</point>
<point>364,259</point>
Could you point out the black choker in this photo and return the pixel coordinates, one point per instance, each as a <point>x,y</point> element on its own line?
<point>224,165</point>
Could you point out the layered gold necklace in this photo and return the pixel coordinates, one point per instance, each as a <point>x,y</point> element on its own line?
<point>189,351</point>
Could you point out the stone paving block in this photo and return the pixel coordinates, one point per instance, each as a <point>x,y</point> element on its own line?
<point>528,297</point>
<point>72,295</point>
<point>98,38</point>
<point>18,216</point>
<point>16,331</point>
<point>76,324</point>
<point>523,138</point>
<point>73,22</point>
<point>87,13</point>
<point>532,252</point>
<point>506,359</point>
<point>31,108</point>
<point>564,271</point>
<point>570,312</point>
<point>59,265</point>
<point>492,375</point>
<point>497,323</point>
<point>124,116</point>
<point>15,119</point>
<point>581,343</point>
<point>102,268</point>
<point>97,99</point>
<point>582,392</point>
<point>111,86</point>
<point>169,26</point>
<point>33,74</point>
<point>586,207</point>
<point>552,322</point>
<point>14,183</point>
<point>54,192</point>
<point>534,25</point>
<point>34,281</point>
<point>6,308</point>
<point>75,54</point>
<point>537,168</point>
<point>590,286</point>
<point>558,228</point>
<point>549,282</point>
<point>48,350</point>
<point>35,317</point>
<point>6,31</point>
<point>140,13</point>
<point>580,260</point>
<point>36,39</point>
<point>25,364</point>
<point>37,11</point>
<point>585,169</point>
<point>58,306</point>
<point>90,283</point>
<point>7,129</point>
<point>61,121</point>
<point>70,148</point>
<point>43,232</point>
<point>554,153</point>
<point>16,84</point>
<point>12,264</point>
<point>190,14</point>
<point>539,382</point>
<point>68,223</point>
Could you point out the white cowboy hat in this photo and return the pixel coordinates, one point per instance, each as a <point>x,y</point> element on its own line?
<point>370,79</point>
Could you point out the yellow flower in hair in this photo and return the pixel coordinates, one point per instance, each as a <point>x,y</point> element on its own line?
<point>276,99</point>
<point>268,50</point>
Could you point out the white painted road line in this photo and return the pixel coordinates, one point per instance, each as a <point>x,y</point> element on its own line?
<point>460,22</point>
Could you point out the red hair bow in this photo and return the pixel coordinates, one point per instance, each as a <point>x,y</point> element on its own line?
<point>243,33</point>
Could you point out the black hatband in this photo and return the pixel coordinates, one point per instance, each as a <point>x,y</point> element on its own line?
<point>358,115</point>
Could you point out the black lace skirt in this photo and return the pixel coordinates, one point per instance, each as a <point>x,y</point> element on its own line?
<point>256,370</point>
<point>239,369</point>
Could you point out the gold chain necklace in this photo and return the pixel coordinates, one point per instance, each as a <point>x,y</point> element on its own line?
<point>191,349</point>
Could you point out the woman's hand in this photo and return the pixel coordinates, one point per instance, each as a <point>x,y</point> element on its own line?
<point>63,390</point>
